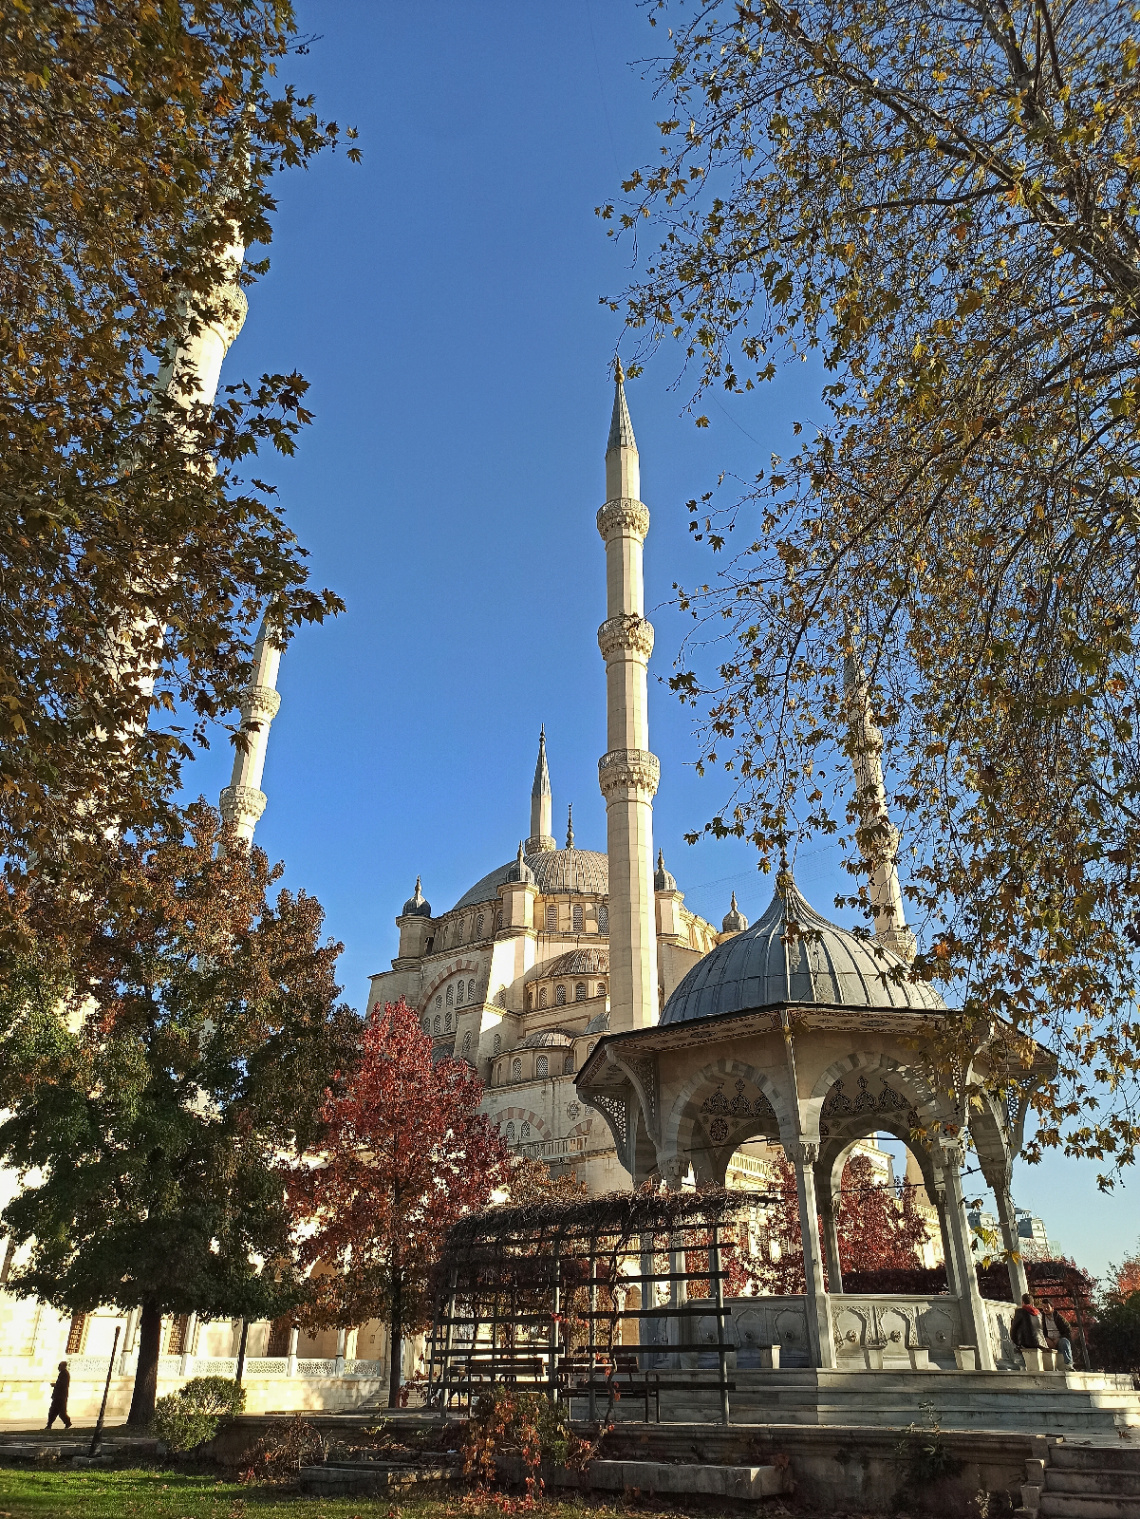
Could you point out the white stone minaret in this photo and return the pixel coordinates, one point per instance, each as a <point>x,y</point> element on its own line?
<point>879,841</point>
<point>627,772</point>
<point>541,804</point>
<point>243,801</point>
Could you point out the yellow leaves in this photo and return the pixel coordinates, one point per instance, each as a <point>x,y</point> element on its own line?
<point>969,302</point>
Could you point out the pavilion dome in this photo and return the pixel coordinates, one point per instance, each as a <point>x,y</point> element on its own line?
<point>573,872</point>
<point>417,905</point>
<point>764,966</point>
<point>579,962</point>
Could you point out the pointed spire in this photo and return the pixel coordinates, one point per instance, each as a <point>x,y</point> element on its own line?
<point>541,785</point>
<point>570,826</point>
<point>621,428</point>
<point>541,803</point>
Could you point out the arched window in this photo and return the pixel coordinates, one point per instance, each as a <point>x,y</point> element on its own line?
<point>542,996</point>
<point>447,1023</point>
<point>580,992</point>
<point>603,919</point>
<point>542,1066</point>
<point>479,926</point>
<point>439,1000</point>
<point>501,997</point>
<point>516,1070</point>
<point>459,992</point>
<point>511,1132</point>
<point>529,999</point>
<point>450,995</point>
<point>601,988</point>
<point>524,1132</point>
<point>471,990</point>
<point>551,919</point>
<point>560,996</point>
<point>498,1044</point>
<point>579,920</point>
<point>568,1067</point>
<point>498,919</point>
<point>466,1046</point>
<point>427,1024</point>
<point>437,1023</point>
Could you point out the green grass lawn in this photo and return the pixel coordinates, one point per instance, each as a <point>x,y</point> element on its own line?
<point>153,1494</point>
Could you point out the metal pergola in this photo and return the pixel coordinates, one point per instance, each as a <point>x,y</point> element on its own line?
<point>542,1297</point>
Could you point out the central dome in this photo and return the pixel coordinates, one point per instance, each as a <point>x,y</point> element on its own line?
<point>577,872</point>
<point>824,964</point>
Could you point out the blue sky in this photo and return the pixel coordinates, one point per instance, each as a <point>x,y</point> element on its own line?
<point>443,300</point>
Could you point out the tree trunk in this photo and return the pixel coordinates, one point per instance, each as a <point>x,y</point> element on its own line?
<point>395,1343</point>
<point>146,1376</point>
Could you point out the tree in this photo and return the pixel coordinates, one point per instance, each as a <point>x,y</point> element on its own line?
<point>529,1181</point>
<point>139,142</point>
<point>404,1154</point>
<point>940,204</point>
<point>1125,1276</point>
<point>878,1228</point>
<point>153,1083</point>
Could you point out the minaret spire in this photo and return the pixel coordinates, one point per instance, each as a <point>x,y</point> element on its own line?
<point>570,826</point>
<point>877,837</point>
<point>243,801</point>
<point>541,803</point>
<point>628,773</point>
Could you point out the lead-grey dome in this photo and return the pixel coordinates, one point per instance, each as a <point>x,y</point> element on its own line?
<point>579,962</point>
<point>578,872</point>
<point>764,966</point>
<point>550,1038</point>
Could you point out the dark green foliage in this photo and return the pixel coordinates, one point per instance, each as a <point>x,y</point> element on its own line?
<point>193,1415</point>
<point>1114,1339</point>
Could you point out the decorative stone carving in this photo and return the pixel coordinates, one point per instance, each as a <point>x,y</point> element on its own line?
<point>628,631</point>
<point>623,515</point>
<point>628,769</point>
<point>644,1067</point>
<point>260,704</point>
<point>242,802</point>
<point>613,1109</point>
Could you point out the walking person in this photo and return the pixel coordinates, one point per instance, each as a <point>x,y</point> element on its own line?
<point>59,1390</point>
<point>1025,1330</point>
<point>1058,1333</point>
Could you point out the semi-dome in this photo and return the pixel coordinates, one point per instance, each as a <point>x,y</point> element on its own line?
<point>576,872</point>
<point>416,906</point>
<point>549,1038</point>
<point>824,964</point>
<point>579,962</point>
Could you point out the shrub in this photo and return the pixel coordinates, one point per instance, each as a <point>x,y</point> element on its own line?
<point>1115,1337</point>
<point>286,1446</point>
<point>526,1425</point>
<point>194,1414</point>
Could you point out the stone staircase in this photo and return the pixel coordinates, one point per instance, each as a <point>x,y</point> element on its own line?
<point>1082,1482</point>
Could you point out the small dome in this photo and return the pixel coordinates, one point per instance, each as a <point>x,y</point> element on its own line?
<point>734,921</point>
<point>519,870</point>
<point>415,906</point>
<point>550,1038</point>
<point>662,880</point>
<point>599,1024</point>
<point>578,962</point>
<point>766,966</point>
<point>574,872</point>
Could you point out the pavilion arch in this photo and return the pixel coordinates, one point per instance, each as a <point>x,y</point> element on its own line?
<point>684,1129</point>
<point>903,1079</point>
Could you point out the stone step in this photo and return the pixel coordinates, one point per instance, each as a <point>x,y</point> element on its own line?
<point>1087,1506</point>
<point>1093,1480</point>
<point>350,1478</point>
<point>1093,1458</point>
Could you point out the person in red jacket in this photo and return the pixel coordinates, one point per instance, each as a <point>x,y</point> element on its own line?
<point>1025,1331</point>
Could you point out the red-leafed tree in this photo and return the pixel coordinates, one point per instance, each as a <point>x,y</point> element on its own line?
<point>878,1228</point>
<point>406,1153</point>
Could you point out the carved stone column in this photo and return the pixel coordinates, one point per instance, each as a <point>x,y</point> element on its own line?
<point>829,1213</point>
<point>975,1321</point>
<point>818,1312</point>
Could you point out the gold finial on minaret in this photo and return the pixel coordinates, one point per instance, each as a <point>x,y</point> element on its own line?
<point>628,772</point>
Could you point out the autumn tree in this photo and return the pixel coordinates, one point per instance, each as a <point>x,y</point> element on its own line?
<point>138,147</point>
<point>941,206</point>
<point>404,1154</point>
<point>152,1083</point>
<point>879,1228</point>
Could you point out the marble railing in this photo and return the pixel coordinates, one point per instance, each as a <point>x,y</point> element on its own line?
<point>88,1368</point>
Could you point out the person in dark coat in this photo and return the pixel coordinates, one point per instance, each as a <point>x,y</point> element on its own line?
<point>59,1390</point>
<point>1025,1331</point>
<point>1058,1333</point>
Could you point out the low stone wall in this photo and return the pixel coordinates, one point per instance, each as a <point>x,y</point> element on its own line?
<point>846,1469</point>
<point>26,1398</point>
